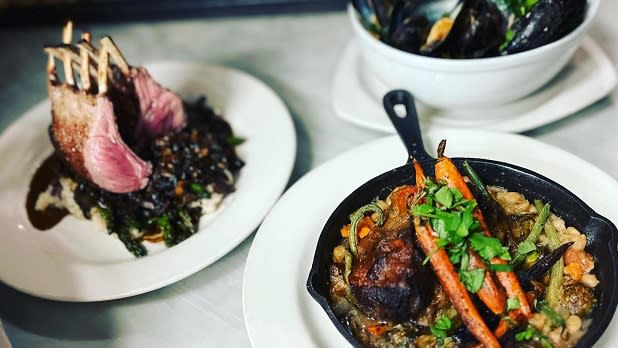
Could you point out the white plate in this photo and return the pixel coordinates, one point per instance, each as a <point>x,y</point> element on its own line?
<point>76,262</point>
<point>587,78</point>
<point>279,312</point>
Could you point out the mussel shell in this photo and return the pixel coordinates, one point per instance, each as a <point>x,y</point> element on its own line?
<point>547,21</point>
<point>478,31</point>
<point>407,29</point>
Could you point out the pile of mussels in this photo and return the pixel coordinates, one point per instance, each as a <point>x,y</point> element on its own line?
<point>469,28</point>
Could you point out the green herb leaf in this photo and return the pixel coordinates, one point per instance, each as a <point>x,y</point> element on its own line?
<point>457,254</point>
<point>512,303</point>
<point>556,318</point>
<point>500,268</point>
<point>457,195</point>
<point>423,210</point>
<point>444,196</point>
<point>441,327</point>
<point>472,280</point>
<point>234,140</point>
<point>530,333</point>
<point>488,247</point>
<point>525,335</point>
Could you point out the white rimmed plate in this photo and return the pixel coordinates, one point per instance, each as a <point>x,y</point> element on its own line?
<point>279,312</point>
<point>75,261</point>
<point>587,78</point>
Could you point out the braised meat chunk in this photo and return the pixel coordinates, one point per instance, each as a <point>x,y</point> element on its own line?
<point>385,280</point>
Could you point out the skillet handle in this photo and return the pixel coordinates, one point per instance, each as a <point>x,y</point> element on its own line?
<point>407,124</point>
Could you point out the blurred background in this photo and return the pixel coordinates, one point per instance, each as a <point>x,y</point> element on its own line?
<point>38,12</point>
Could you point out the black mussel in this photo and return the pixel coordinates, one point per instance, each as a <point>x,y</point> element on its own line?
<point>547,21</point>
<point>374,14</point>
<point>421,26</point>
<point>407,30</point>
<point>479,31</point>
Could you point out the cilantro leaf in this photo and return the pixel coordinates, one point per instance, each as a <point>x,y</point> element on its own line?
<point>500,268</point>
<point>425,210</point>
<point>473,279</point>
<point>525,335</point>
<point>441,327</point>
<point>444,196</point>
<point>457,195</point>
<point>488,247</point>
<point>512,303</point>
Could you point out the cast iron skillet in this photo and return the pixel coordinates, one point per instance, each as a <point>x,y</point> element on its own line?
<point>601,233</point>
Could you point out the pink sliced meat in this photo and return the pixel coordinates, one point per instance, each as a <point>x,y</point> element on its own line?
<point>85,132</point>
<point>161,110</point>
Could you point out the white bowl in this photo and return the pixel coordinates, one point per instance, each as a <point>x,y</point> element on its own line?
<point>466,83</point>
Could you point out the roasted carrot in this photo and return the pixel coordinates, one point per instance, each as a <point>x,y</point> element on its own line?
<point>378,329</point>
<point>456,291</point>
<point>492,296</point>
<point>447,276</point>
<point>447,171</point>
<point>419,174</point>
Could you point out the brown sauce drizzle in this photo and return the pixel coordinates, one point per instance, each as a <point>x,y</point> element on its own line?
<point>44,176</point>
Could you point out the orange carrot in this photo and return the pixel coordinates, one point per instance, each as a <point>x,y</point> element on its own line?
<point>489,293</point>
<point>492,296</point>
<point>378,329</point>
<point>456,291</point>
<point>419,174</point>
<point>447,276</point>
<point>447,171</point>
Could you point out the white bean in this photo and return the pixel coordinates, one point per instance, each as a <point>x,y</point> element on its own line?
<point>590,280</point>
<point>573,324</point>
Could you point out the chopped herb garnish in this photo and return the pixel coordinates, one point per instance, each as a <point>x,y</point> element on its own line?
<point>441,326</point>
<point>556,318</point>
<point>512,303</point>
<point>489,247</point>
<point>473,279</point>
<point>531,333</point>
<point>500,268</point>
<point>444,196</point>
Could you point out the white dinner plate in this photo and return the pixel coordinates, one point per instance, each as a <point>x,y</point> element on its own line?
<point>587,78</point>
<point>75,261</point>
<point>279,312</point>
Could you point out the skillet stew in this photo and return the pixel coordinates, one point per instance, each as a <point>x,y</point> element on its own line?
<point>464,253</point>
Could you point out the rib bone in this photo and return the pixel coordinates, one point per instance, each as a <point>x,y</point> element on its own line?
<point>102,70</point>
<point>85,65</point>
<point>67,34</point>
<point>108,44</point>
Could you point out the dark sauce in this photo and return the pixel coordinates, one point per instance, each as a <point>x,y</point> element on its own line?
<point>46,175</point>
<point>188,165</point>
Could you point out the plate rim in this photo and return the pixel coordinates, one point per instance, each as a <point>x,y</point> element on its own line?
<point>286,132</point>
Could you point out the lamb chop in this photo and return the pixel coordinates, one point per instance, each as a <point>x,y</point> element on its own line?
<point>93,126</point>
